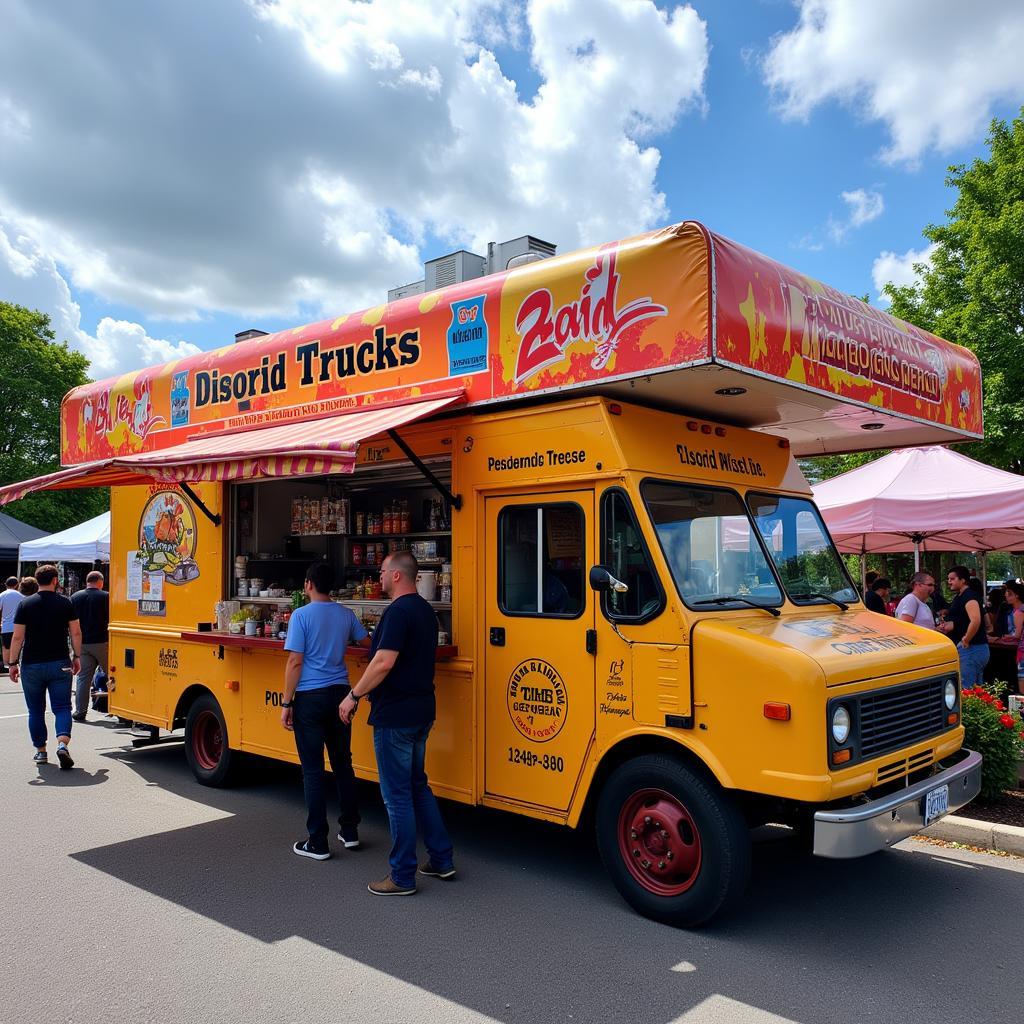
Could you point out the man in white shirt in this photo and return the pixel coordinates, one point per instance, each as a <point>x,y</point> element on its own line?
<point>914,607</point>
<point>9,601</point>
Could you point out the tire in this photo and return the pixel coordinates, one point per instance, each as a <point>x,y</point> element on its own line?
<point>212,761</point>
<point>675,844</point>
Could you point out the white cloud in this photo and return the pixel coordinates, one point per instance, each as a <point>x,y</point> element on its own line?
<point>931,70</point>
<point>862,208</point>
<point>891,268</point>
<point>30,277</point>
<point>289,157</point>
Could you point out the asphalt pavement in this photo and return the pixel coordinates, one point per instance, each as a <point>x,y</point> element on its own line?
<point>133,894</point>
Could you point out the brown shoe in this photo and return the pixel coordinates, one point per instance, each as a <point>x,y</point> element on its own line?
<point>386,887</point>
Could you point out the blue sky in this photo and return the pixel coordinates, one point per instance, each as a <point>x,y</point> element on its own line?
<point>172,177</point>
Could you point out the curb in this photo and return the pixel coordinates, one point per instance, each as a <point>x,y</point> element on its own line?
<point>989,835</point>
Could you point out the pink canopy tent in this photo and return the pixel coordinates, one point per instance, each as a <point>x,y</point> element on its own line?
<point>924,499</point>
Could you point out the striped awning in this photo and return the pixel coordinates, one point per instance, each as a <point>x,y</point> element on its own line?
<point>307,448</point>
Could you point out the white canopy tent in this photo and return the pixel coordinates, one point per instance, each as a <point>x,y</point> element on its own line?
<point>86,542</point>
<point>924,499</point>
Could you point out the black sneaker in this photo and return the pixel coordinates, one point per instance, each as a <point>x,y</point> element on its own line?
<point>304,848</point>
<point>64,756</point>
<point>430,871</point>
<point>349,835</point>
<point>79,716</point>
<point>40,757</point>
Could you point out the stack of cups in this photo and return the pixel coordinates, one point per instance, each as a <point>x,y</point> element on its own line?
<point>241,575</point>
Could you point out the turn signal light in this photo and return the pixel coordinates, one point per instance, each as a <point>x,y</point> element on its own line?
<point>783,442</point>
<point>842,756</point>
<point>705,428</point>
<point>779,712</point>
<point>692,425</point>
<point>952,718</point>
<point>719,431</point>
<point>615,409</point>
<point>231,684</point>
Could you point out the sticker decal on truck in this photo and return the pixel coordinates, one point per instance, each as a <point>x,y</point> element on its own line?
<point>537,702</point>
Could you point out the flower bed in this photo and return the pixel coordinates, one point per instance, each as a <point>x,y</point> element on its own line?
<point>999,737</point>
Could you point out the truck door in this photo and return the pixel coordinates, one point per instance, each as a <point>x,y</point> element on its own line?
<point>539,621</point>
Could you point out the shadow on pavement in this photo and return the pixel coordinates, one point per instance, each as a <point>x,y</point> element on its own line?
<point>54,775</point>
<point>532,930</point>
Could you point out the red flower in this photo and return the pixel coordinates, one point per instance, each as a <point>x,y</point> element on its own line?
<point>1000,706</point>
<point>978,691</point>
<point>1007,720</point>
<point>986,697</point>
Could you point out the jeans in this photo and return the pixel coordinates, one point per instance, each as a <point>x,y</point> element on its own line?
<point>317,725</point>
<point>410,803</point>
<point>973,660</point>
<point>38,680</point>
<point>93,656</point>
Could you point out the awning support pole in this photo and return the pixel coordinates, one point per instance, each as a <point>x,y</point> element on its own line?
<point>196,500</point>
<point>455,500</point>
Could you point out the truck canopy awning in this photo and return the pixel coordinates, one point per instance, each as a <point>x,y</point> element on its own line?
<point>308,448</point>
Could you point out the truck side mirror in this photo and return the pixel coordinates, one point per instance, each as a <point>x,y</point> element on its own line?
<point>601,580</point>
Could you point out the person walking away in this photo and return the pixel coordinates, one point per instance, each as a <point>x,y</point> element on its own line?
<point>914,606</point>
<point>965,627</point>
<point>29,585</point>
<point>877,595</point>
<point>9,601</point>
<point>93,607</point>
<point>315,683</point>
<point>44,626</point>
<point>400,682</point>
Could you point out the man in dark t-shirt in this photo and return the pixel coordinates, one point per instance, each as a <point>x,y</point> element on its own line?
<point>877,594</point>
<point>92,606</point>
<point>400,680</point>
<point>965,626</point>
<point>48,641</point>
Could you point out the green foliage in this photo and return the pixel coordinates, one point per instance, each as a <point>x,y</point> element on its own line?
<point>996,735</point>
<point>35,374</point>
<point>973,291</point>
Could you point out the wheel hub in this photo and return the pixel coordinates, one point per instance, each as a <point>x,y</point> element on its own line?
<point>659,842</point>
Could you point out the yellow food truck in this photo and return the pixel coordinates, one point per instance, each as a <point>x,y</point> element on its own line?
<point>643,622</point>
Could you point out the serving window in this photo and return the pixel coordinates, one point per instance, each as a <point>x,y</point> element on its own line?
<point>281,527</point>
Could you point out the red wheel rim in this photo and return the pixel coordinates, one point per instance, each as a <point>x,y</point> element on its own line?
<point>659,842</point>
<point>207,740</point>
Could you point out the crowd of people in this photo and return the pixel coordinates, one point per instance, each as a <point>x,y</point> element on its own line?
<point>977,623</point>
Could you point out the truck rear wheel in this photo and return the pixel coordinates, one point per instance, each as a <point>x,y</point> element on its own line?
<point>675,844</point>
<point>212,761</point>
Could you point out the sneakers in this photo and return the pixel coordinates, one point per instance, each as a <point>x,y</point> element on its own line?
<point>79,716</point>
<point>430,871</point>
<point>387,887</point>
<point>64,756</point>
<point>40,757</point>
<point>304,848</point>
<point>349,835</point>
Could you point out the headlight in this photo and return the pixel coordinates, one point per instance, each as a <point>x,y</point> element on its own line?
<point>840,724</point>
<point>949,694</point>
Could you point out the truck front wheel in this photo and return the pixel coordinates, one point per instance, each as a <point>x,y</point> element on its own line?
<point>675,844</point>
<point>212,761</point>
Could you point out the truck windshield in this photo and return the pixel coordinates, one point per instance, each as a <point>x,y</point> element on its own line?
<point>710,546</point>
<point>806,560</point>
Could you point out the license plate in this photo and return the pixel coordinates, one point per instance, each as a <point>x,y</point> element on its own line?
<point>936,804</point>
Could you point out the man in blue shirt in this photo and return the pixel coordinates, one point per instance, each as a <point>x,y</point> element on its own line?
<point>400,680</point>
<point>315,683</point>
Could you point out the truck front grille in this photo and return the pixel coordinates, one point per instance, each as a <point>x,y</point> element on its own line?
<point>891,719</point>
<point>895,718</point>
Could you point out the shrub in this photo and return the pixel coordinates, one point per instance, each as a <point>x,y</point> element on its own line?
<point>997,735</point>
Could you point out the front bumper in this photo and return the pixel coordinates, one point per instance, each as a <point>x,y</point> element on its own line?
<point>858,831</point>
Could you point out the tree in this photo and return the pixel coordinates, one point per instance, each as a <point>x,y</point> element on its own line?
<point>35,373</point>
<point>973,291</point>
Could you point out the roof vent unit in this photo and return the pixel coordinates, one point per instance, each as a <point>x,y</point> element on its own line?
<point>403,291</point>
<point>252,332</point>
<point>454,268</point>
<point>508,255</point>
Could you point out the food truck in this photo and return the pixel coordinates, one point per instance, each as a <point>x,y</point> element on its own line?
<point>643,624</point>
